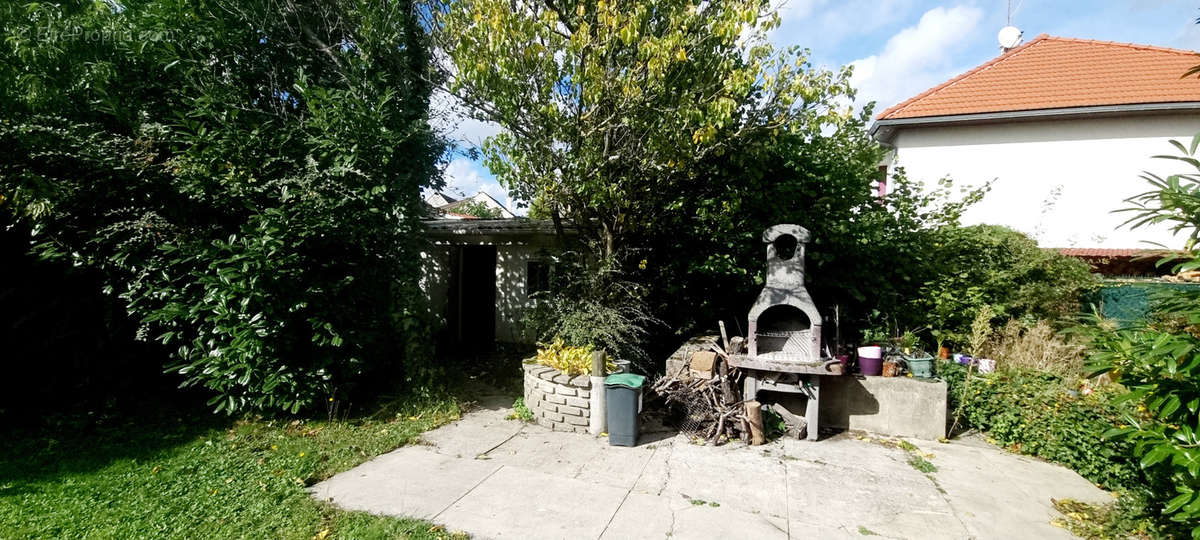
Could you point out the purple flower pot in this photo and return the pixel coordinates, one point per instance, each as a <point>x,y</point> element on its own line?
<point>870,366</point>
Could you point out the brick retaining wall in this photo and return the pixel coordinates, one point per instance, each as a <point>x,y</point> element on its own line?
<point>559,402</point>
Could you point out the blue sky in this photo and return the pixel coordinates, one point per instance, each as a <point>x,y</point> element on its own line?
<point>901,47</point>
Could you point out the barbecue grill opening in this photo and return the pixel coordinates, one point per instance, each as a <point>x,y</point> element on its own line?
<point>784,329</point>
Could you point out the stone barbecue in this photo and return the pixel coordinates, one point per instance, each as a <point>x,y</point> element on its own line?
<point>784,322</point>
<point>784,334</point>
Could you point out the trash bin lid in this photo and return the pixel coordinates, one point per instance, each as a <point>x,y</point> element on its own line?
<point>628,380</point>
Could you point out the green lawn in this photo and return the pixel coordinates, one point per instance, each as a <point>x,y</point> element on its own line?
<point>175,473</point>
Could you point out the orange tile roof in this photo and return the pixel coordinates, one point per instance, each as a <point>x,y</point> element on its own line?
<point>1053,72</point>
<point>1103,252</point>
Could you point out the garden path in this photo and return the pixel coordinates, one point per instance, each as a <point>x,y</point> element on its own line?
<point>498,478</point>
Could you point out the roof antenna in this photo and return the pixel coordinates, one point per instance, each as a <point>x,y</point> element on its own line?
<point>1009,36</point>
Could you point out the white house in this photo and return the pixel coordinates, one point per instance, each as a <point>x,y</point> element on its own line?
<point>451,208</point>
<point>1062,127</point>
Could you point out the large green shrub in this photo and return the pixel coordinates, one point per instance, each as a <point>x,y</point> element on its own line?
<point>597,308</point>
<point>1158,361</point>
<point>705,258</point>
<point>246,176</point>
<point>1039,414</point>
<point>1160,368</point>
<point>990,265</point>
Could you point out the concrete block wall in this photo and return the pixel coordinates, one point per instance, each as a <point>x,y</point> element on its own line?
<point>895,406</point>
<point>557,401</point>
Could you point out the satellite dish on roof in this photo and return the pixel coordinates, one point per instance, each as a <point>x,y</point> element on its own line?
<point>1009,37</point>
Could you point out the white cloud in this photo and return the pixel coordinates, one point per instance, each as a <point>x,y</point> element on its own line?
<point>822,25</point>
<point>916,58</point>
<point>465,178</point>
<point>451,119</point>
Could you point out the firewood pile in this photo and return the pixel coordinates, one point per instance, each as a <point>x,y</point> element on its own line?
<point>708,390</point>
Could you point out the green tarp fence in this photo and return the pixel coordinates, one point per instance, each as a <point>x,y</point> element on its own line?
<point>1128,301</point>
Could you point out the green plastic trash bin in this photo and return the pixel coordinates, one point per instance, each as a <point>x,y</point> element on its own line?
<point>622,403</point>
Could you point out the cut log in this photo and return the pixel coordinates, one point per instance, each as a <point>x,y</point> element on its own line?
<point>754,415</point>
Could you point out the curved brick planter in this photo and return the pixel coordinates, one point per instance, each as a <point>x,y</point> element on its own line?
<point>557,401</point>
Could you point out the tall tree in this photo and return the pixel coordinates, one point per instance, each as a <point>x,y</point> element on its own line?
<point>608,108</point>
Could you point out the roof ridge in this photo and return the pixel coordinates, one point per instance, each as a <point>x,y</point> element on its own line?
<point>1004,56</point>
<point>1138,46</point>
<point>903,106</point>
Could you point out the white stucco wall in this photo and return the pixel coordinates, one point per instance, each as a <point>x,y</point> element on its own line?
<point>435,281</point>
<point>512,293</point>
<point>1095,164</point>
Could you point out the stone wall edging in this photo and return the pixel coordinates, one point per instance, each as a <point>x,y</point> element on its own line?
<point>557,401</point>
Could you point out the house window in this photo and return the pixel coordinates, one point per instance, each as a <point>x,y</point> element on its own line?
<point>537,276</point>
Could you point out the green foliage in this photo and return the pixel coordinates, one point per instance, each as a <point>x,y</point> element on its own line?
<point>989,265</point>
<point>921,464</point>
<point>520,411</point>
<point>1158,362</point>
<point>478,209</point>
<point>571,360</point>
<point>1038,414</point>
<point>611,107</point>
<point>171,472</point>
<point>866,256</point>
<point>773,423</point>
<point>250,192</point>
<point>1160,368</point>
<point>598,309</point>
<point>1124,518</point>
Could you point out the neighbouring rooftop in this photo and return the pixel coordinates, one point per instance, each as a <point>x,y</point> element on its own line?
<point>1054,72</point>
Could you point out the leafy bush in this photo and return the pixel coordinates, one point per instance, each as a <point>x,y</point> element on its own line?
<point>520,411</point>
<point>1039,414</point>
<point>990,265</point>
<point>594,308</point>
<point>250,193</point>
<point>1159,361</point>
<point>565,358</point>
<point>478,209</point>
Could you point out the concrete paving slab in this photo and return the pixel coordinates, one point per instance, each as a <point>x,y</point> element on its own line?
<point>650,516</point>
<point>728,475</point>
<point>477,432</point>
<point>997,492</point>
<point>520,503</point>
<point>410,481</point>
<point>534,483</point>
<point>901,503</point>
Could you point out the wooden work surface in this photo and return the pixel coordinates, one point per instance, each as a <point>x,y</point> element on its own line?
<point>821,367</point>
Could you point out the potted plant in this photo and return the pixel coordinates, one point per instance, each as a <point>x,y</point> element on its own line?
<point>919,362</point>
<point>870,355</point>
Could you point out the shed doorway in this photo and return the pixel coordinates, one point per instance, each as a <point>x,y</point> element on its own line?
<point>473,297</point>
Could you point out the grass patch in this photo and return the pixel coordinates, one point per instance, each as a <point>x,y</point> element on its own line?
<point>921,464</point>
<point>172,472</point>
<point>520,411</point>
